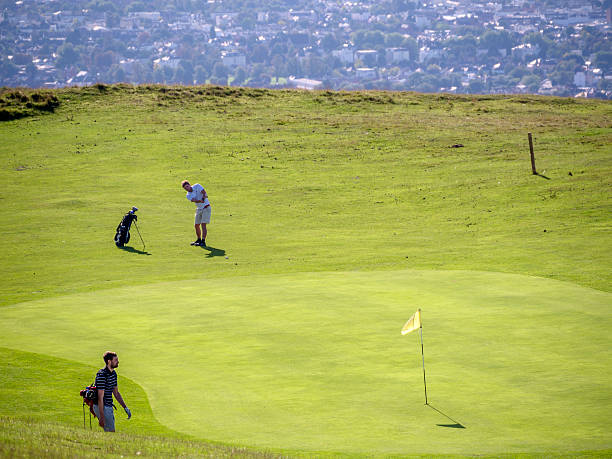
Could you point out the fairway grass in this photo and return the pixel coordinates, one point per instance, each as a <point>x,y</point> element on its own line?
<point>315,362</point>
<point>303,182</point>
<point>335,215</point>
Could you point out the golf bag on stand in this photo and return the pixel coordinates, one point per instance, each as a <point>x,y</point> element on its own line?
<point>122,236</point>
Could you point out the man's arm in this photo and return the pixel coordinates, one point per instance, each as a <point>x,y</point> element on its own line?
<point>204,195</point>
<point>195,199</point>
<point>101,407</point>
<point>119,398</point>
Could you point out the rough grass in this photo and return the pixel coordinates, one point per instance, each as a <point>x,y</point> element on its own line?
<point>26,439</point>
<point>20,103</point>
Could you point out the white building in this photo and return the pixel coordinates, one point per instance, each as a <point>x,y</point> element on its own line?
<point>166,62</point>
<point>224,19</point>
<point>233,59</point>
<point>345,54</point>
<point>426,53</point>
<point>153,16</point>
<point>305,83</point>
<point>525,50</point>
<point>360,17</point>
<point>364,73</point>
<point>546,88</point>
<point>422,21</point>
<point>305,15</point>
<point>397,55</point>
<point>80,79</point>
<point>366,56</point>
<point>580,79</point>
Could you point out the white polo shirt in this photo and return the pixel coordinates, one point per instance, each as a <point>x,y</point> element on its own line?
<point>196,193</point>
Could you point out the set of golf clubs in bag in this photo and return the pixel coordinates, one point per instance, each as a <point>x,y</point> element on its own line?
<point>122,235</point>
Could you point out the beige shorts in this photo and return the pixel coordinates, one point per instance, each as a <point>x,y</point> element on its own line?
<point>202,215</point>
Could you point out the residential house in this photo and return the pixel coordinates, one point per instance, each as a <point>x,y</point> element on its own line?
<point>366,56</point>
<point>426,53</point>
<point>525,51</point>
<point>397,55</point>
<point>304,83</point>
<point>346,54</point>
<point>580,79</point>
<point>233,58</point>
<point>365,73</point>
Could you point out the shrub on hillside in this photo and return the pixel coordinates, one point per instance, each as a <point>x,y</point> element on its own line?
<point>18,104</point>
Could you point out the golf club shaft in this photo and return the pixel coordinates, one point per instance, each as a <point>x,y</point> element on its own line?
<point>143,243</point>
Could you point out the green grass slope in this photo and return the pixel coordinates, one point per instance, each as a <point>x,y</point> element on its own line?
<point>335,215</point>
<point>303,182</point>
<point>41,388</point>
<point>316,361</point>
<point>41,416</point>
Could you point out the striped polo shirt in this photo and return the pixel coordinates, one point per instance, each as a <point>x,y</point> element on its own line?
<point>107,380</point>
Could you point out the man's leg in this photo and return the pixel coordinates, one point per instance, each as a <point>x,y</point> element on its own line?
<point>96,410</point>
<point>204,233</point>
<point>198,220</point>
<point>109,419</point>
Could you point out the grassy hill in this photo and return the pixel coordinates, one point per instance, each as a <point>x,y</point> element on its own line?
<point>335,215</point>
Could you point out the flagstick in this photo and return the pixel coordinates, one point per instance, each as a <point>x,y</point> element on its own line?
<point>423,355</point>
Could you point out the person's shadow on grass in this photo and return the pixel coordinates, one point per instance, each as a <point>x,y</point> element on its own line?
<point>126,248</point>
<point>214,252</point>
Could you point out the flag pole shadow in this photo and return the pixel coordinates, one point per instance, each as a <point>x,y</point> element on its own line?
<point>455,425</point>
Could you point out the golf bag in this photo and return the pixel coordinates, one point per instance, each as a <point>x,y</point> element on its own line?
<point>90,398</point>
<point>122,236</point>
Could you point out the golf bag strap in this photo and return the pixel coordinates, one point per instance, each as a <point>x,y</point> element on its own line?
<point>90,408</point>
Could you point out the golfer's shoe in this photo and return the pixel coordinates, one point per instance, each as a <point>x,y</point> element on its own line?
<point>203,243</point>
<point>198,242</point>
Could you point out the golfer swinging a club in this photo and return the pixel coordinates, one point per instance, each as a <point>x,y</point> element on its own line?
<point>197,194</point>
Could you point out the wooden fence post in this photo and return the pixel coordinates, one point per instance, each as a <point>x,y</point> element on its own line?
<point>533,166</point>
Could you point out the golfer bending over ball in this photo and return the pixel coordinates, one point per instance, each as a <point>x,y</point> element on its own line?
<point>197,194</point>
<point>106,382</point>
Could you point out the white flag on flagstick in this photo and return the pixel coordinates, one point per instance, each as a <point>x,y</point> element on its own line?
<point>413,323</point>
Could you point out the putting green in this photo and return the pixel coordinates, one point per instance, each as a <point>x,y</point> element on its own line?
<point>316,362</point>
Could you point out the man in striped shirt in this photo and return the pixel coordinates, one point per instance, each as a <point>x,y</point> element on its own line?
<point>106,383</point>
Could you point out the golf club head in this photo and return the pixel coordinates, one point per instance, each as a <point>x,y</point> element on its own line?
<point>134,208</point>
